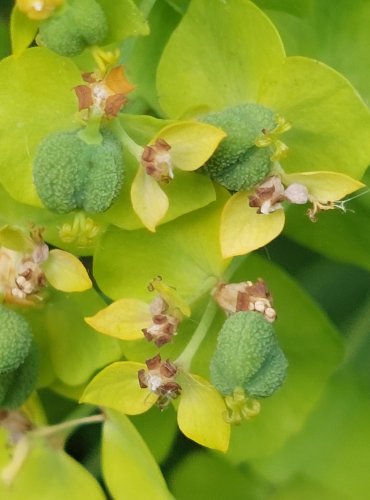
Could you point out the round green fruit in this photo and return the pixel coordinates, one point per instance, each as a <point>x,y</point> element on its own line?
<point>15,339</point>
<point>70,174</point>
<point>248,356</point>
<point>238,164</point>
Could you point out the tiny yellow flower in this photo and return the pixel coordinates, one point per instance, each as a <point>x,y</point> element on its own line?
<point>27,267</point>
<point>104,94</point>
<point>132,388</point>
<point>131,319</point>
<point>251,219</point>
<point>185,146</point>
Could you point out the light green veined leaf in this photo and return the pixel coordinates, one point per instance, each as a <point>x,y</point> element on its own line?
<point>208,61</point>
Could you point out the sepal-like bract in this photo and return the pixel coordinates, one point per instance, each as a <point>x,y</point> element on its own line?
<point>248,356</point>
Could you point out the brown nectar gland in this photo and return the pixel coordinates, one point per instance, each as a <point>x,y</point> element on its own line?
<point>157,162</point>
<point>160,379</point>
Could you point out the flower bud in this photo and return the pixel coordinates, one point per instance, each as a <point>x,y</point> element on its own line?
<point>238,163</point>
<point>15,340</point>
<point>70,174</point>
<point>79,24</point>
<point>248,356</point>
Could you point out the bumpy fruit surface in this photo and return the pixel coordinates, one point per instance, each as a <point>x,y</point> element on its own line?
<point>248,356</point>
<point>15,340</point>
<point>237,163</point>
<point>70,30</point>
<point>16,386</point>
<point>70,174</point>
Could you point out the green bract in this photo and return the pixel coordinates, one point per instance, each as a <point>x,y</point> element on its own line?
<point>237,163</point>
<point>79,24</point>
<point>15,340</point>
<point>248,356</point>
<point>70,174</point>
<point>16,386</point>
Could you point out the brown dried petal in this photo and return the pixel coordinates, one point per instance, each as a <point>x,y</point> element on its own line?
<point>142,376</point>
<point>153,363</point>
<point>84,96</point>
<point>168,369</point>
<point>113,104</point>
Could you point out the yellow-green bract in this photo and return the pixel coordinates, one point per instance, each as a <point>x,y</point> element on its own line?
<point>78,24</point>
<point>248,356</point>
<point>237,163</point>
<point>70,174</point>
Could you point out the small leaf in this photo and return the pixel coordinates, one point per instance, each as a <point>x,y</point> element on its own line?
<point>38,82</point>
<point>186,192</point>
<point>201,413</point>
<point>325,186</point>
<point>124,319</point>
<point>191,143</point>
<point>65,272</point>
<point>70,350</point>
<point>217,57</point>
<point>124,20</point>
<point>50,473</point>
<point>244,230</point>
<point>148,200</point>
<point>15,239</point>
<point>117,387</point>
<point>330,123</point>
<point>129,469</point>
<point>170,295</point>
<point>23,31</point>
<point>184,252</point>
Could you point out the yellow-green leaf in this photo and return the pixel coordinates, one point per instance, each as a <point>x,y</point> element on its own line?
<point>65,272</point>
<point>148,200</point>
<point>124,319</point>
<point>244,230</point>
<point>325,186</point>
<point>49,473</point>
<point>201,413</point>
<point>218,56</point>
<point>191,143</point>
<point>330,123</point>
<point>117,387</point>
<point>15,239</point>
<point>23,30</point>
<point>129,469</point>
<point>171,296</point>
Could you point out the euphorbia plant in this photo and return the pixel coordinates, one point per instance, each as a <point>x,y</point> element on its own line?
<point>164,198</point>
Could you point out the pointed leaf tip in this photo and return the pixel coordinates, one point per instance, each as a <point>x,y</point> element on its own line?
<point>244,230</point>
<point>66,272</point>
<point>124,319</point>
<point>201,413</point>
<point>148,200</point>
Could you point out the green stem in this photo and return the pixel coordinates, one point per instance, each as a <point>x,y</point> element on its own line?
<point>91,132</point>
<point>126,140</point>
<point>233,267</point>
<point>69,424</point>
<point>185,358</point>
